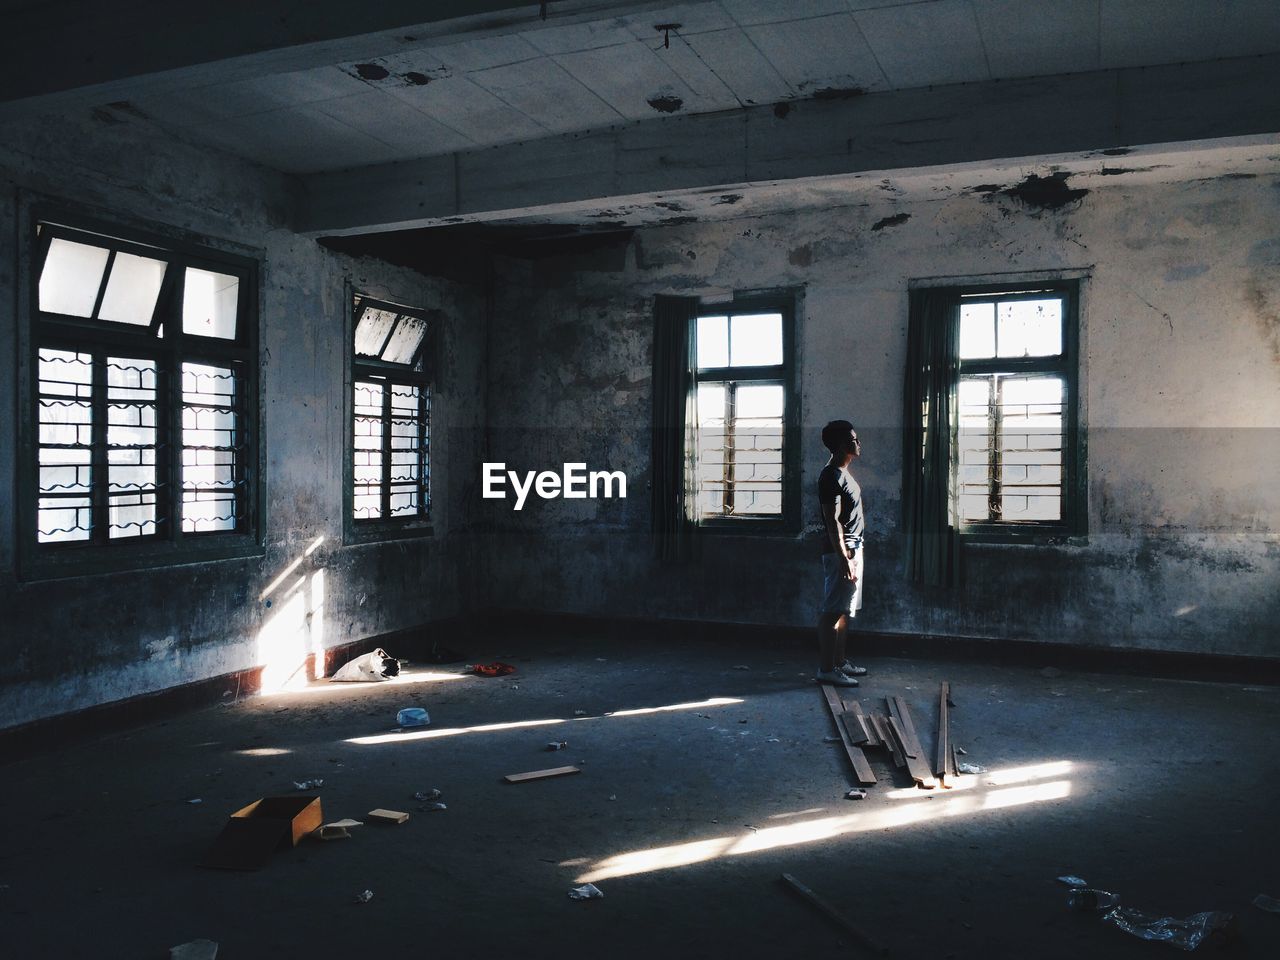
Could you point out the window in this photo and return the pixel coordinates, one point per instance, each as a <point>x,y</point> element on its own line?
<point>140,378</point>
<point>746,467</point>
<point>389,486</point>
<point>1016,461</point>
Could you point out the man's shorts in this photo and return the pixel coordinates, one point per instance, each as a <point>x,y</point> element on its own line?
<point>840,595</point>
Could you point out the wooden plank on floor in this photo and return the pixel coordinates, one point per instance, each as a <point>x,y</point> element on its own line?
<point>940,764</point>
<point>834,915</point>
<point>917,765</point>
<point>857,735</point>
<point>886,739</point>
<point>861,769</point>
<point>540,774</point>
<point>873,739</point>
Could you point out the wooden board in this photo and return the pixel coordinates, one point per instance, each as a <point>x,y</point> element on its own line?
<point>904,731</point>
<point>853,726</point>
<point>886,739</point>
<point>873,739</point>
<point>832,914</point>
<point>382,815</point>
<point>941,766</point>
<point>861,769</point>
<point>540,774</point>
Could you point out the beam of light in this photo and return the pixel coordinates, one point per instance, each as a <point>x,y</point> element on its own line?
<point>449,732</point>
<point>1183,611</point>
<point>713,702</point>
<point>798,813</point>
<point>997,778</point>
<point>315,545</point>
<point>488,727</point>
<point>284,575</point>
<point>264,752</point>
<point>316,616</point>
<point>327,687</point>
<point>812,831</point>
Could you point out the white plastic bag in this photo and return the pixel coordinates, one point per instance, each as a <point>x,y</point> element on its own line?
<point>370,667</point>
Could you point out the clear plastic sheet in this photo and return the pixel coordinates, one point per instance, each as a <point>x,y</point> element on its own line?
<point>1184,934</point>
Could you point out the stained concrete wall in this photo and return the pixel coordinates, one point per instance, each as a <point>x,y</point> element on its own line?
<point>1180,379</point>
<point>72,643</point>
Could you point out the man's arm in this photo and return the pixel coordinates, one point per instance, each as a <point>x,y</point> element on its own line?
<point>831,510</point>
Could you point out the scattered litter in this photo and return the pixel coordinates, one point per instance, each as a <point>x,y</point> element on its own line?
<point>432,794</point>
<point>742,720</point>
<point>773,740</point>
<point>741,666</point>
<point>970,768</point>
<point>704,716</point>
<point>308,784</point>
<point>1184,934</point>
<point>830,739</point>
<point>752,827</point>
<point>857,793</point>
<point>382,815</point>
<point>588,891</point>
<point>1269,904</point>
<point>495,669</point>
<point>364,896</point>
<point>371,667</point>
<point>429,807</point>
<point>1088,899</point>
<point>412,717</point>
<point>1072,881</point>
<point>962,751</point>
<point>338,830</point>
<point>557,745</point>
<point>514,686</point>
<point>253,833</point>
<point>579,713</point>
<point>614,796</point>
<point>195,950</point>
<point>196,800</point>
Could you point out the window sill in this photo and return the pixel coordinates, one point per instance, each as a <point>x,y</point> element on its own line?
<point>1044,536</point>
<point>88,561</point>
<point>380,531</point>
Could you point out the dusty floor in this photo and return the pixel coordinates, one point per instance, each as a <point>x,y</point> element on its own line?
<point>1162,791</point>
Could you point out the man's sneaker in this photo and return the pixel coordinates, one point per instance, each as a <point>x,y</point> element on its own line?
<point>849,670</point>
<point>836,678</point>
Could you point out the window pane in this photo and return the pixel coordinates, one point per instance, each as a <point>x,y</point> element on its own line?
<point>756,340</point>
<point>132,289</point>
<point>131,447</point>
<point>757,450</point>
<point>712,468</point>
<point>71,277</point>
<point>713,342</point>
<point>211,448</point>
<point>711,404</point>
<point>1030,449</point>
<point>977,331</point>
<point>65,452</point>
<point>372,330</point>
<point>367,455</point>
<point>1030,328</point>
<point>405,340</point>
<point>209,303</point>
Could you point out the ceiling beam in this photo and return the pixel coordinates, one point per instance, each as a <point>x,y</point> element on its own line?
<point>875,133</point>
<point>55,57</point>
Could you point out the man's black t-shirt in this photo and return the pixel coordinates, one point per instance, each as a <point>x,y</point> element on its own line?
<point>833,482</point>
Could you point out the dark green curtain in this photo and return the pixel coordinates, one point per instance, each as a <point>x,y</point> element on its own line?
<point>674,417</point>
<point>929,397</point>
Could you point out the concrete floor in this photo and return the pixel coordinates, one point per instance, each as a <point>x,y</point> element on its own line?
<point>1162,791</point>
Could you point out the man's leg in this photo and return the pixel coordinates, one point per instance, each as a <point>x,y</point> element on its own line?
<point>831,627</point>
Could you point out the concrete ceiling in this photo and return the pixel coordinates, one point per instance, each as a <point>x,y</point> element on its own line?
<point>504,75</point>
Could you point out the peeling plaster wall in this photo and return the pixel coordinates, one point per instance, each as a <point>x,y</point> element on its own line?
<point>73,643</point>
<point>1180,379</point>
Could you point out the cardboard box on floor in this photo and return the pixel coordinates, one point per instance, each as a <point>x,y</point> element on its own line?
<point>254,832</point>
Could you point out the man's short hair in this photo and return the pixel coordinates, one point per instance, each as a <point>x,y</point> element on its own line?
<point>834,434</point>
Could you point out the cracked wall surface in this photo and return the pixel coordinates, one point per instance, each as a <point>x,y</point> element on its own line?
<point>1180,381</point>
<point>72,643</point>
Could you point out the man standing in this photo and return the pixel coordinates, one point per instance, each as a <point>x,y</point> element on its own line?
<point>841,501</point>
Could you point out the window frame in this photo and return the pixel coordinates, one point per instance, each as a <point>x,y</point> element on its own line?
<point>1074,519</point>
<point>169,545</point>
<point>786,373</point>
<point>377,529</point>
